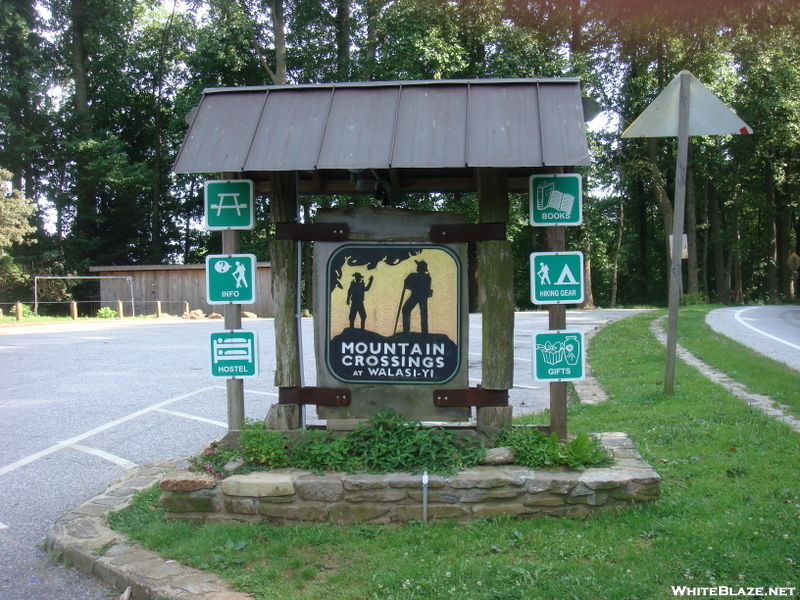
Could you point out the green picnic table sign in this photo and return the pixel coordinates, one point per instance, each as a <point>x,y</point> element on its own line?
<point>229,204</point>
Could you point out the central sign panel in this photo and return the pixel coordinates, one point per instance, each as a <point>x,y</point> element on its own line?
<point>393,313</point>
<point>392,321</point>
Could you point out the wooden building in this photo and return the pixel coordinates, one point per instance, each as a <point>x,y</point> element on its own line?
<point>173,286</point>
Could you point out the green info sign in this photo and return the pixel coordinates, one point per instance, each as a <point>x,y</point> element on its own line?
<point>558,355</point>
<point>394,313</point>
<point>231,278</point>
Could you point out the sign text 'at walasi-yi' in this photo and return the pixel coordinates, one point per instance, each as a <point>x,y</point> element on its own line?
<point>231,278</point>
<point>556,199</point>
<point>229,204</point>
<point>234,353</point>
<point>557,277</point>
<point>558,355</point>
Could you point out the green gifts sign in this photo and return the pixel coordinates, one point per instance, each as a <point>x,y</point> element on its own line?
<point>558,355</point>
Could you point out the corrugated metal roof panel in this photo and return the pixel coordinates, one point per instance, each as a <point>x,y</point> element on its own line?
<point>563,132</point>
<point>360,130</point>
<point>504,126</point>
<point>290,131</point>
<point>431,127</point>
<point>221,132</point>
<point>376,125</point>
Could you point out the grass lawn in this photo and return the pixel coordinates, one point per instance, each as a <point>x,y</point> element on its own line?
<point>729,513</point>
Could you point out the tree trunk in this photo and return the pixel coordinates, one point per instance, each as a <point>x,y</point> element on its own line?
<point>692,280</point>
<point>661,197</point>
<point>342,24</point>
<point>85,205</point>
<point>772,229</point>
<point>617,250</point>
<point>372,8</point>
<point>279,32</point>
<point>714,225</point>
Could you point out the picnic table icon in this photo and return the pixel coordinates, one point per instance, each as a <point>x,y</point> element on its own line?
<point>234,196</point>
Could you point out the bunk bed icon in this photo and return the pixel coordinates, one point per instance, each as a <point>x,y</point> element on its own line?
<point>232,347</point>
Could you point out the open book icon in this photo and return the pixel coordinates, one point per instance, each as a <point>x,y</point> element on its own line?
<point>549,197</point>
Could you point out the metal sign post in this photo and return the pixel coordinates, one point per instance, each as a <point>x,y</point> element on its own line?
<point>669,115</point>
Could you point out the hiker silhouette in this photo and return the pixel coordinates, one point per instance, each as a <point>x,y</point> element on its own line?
<point>355,298</point>
<point>419,286</point>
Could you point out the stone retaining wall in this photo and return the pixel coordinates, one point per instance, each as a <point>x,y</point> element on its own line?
<point>293,495</point>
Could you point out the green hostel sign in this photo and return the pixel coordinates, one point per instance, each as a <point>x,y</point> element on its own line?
<point>234,353</point>
<point>229,204</point>
<point>558,355</point>
<point>556,199</point>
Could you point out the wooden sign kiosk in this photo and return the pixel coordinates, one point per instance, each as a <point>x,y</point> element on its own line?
<point>485,136</point>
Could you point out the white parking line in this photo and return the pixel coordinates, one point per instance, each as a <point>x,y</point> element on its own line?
<point>764,333</point>
<point>117,460</point>
<point>3,526</point>
<point>192,417</point>
<point>79,438</point>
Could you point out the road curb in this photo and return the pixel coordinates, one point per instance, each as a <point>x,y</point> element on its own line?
<point>81,539</point>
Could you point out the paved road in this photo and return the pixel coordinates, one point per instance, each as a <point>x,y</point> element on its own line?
<point>81,403</point>
<point>773,331</point>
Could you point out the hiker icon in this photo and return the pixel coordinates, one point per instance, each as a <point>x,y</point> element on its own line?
<point>419,286</point>
<point>355,298</point>
<point>240,275</point>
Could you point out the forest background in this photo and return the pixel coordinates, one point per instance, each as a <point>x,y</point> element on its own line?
<point>94,96</point>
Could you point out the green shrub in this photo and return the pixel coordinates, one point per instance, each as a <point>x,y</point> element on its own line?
<point>106,313</point>
<point>320,451</point>
<point>262,447</point>
<point>536,450</point>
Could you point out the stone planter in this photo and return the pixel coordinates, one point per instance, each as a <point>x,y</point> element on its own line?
<point>294,495</point>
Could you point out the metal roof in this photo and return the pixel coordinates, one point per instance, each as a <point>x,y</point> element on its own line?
<point>421,135</point>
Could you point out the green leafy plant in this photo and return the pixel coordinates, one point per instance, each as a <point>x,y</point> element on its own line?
<point>536,450</point>
<point>320,451</point>
<point>106,313</point>
<point>262,447</point>
<point>387,442</point>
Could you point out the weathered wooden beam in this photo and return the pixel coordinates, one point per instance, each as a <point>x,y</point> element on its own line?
<point>285,288</point>
<point>496,283</point>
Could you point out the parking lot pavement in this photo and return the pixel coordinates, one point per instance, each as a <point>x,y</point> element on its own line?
<point>83,403</point>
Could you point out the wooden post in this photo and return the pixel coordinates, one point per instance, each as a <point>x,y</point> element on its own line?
<point>158,309</point>
<point>285,291</point>
<point>186,309</point>
<point>233,320</point>
<point>556,242</point>
<point>120,310</point>
<point>495,294</point>
<point>675,278</point>
<point>19,310</point>
<point>73,310</point>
